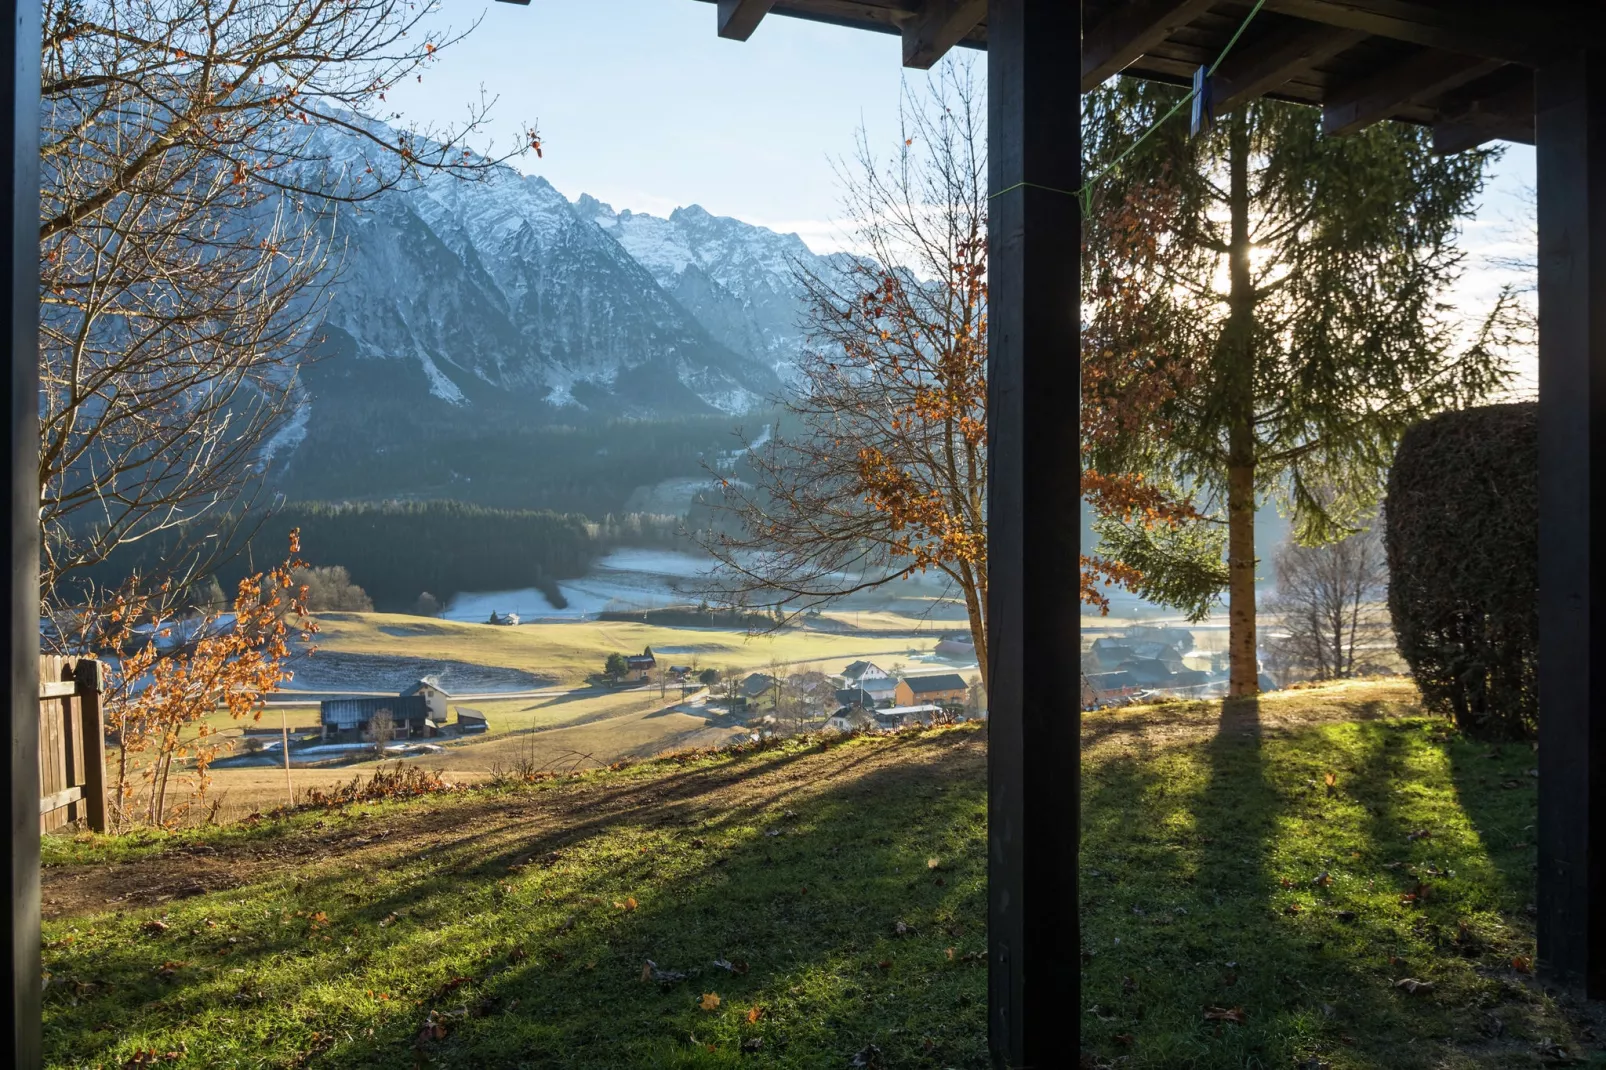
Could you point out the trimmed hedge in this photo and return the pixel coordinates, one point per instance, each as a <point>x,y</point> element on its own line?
<point>1462,534</point>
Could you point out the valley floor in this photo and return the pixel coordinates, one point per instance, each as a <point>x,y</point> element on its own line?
<point>806,905</point>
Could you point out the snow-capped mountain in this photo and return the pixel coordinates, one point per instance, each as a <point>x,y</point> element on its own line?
<point>738,280</point>
<point>468,311</point>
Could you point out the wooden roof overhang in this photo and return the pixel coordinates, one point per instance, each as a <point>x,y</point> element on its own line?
<point>1462,67</point>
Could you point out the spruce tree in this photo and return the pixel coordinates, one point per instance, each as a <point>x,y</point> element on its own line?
<point>1295,308</point>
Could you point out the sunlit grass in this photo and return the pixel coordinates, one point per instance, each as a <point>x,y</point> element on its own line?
<point>1220,876</point>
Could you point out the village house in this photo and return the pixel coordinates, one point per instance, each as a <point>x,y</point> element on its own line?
<point>756,685</point>
<point>1104,688</point>
<point>956,646</point>
<point>860,671</point>
<point>925,713</point>
<point>848,698</point>
<point>943,689</point>
<point>640,665</point>
<point>419,711</point>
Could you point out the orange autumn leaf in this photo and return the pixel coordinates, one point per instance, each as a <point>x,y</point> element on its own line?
<point>709,1002</point>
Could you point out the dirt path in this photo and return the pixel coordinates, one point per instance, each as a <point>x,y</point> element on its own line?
<point>509,829</point>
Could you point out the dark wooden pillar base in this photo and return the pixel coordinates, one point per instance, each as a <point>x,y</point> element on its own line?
<point>1570,94</point>
<point>1034,532</point>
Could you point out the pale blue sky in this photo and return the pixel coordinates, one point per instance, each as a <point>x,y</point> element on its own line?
<point>643,106</point>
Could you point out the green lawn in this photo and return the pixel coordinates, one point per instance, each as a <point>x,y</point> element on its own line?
<point>1236,913</point>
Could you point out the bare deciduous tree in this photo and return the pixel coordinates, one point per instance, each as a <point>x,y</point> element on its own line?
<point>885,476</point>
<point>193,152</point>
<point>1327,601</point>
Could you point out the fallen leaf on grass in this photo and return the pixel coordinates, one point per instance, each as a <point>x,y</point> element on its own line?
<point>628,904</point>
<point>709,1002</point>
<point>1293,908</point>
<point>754,1013</point>
<point>1235,1015</point>
<point>933,863</point>
<point>155,927</point>
<point>1322,879</point>
<point>1521,964</point>
<point>737,967</point>
<point>1413,986</point>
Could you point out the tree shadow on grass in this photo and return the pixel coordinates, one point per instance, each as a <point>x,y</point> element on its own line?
<point>823,888</point>
<point>1256,925</point>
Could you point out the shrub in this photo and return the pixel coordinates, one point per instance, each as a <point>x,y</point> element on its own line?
<point>1462,535</point>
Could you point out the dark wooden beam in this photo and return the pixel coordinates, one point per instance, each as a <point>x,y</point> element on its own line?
<point>939,26</point>
<point>739,18</point>
<point>1129,32</point>
<point>1259,68</point>
<point>1034,526</point>
<point>19,318</point>
<point>1571,160</point>
<point>1493,29</point>
<point>1504,115</point>
<point>1418,78</point>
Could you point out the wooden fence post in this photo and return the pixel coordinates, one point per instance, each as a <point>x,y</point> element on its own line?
<point>89,675</point>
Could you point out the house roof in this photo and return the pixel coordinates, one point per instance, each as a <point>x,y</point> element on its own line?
<point>1110,681</point>
<point>757,684</point>
<point>352,712</point>
<point>925,685</point>
<point>426,683</point>
<point>854,696</point>
<point>640,661</point>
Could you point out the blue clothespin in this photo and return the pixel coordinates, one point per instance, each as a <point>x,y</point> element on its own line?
<point>1204,107</point>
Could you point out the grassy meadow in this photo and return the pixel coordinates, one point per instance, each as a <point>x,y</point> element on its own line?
<point>806,904</point>
<point>569,652</point>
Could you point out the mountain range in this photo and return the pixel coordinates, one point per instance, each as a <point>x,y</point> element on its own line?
<point>497,306</point>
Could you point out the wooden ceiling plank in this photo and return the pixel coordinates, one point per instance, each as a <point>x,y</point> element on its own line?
<point>739,18</point>
<point>1416,79</point>
<point>938,27</point>
<point>1130,32</point>
<point>1266,65</point>
<point>1474,28</point>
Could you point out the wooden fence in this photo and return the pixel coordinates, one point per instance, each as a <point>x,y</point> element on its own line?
<point>72,743</point>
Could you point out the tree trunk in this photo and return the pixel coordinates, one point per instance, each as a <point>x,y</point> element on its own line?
<point>975,603</point>
<point>1238,380</point>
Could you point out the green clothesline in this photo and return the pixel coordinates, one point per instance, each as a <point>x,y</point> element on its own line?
<point>1085,195</point>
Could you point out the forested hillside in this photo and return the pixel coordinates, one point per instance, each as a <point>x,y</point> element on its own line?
<point>397,551</point>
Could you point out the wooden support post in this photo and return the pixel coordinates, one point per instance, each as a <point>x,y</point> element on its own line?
<point>19,318</point>
<point>1571,157</point>
<point>90,678</point>
<point>1033,610</point>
